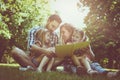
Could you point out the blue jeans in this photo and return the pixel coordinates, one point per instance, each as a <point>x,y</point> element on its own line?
<point>96,66</point>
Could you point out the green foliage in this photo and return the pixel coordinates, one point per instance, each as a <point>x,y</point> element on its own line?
<point>103,26</point>
<point>17,17</point>
<point>6,58</point>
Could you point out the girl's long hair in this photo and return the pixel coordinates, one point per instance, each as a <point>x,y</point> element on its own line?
<point>68,27</point>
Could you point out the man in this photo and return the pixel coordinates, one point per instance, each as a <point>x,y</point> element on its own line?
<point>26,61</point>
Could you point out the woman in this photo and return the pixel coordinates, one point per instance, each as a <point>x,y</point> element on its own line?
<point>71,35</point>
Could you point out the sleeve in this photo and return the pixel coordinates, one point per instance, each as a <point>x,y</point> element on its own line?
<point>31,36</point>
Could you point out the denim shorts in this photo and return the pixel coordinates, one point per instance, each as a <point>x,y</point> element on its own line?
<point>96,66</point>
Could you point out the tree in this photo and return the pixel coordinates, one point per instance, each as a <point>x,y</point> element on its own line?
<point>103,27</point>
<point>17,17</point>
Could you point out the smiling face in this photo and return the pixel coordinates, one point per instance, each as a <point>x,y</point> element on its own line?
<point>65,34</point>
<point>66,31</point>
<point>53,22</point>
<point>77,36</point>
<point>47,37</point>
<point>52,25</point>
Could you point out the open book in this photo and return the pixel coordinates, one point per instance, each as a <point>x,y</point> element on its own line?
<point>68,49</point>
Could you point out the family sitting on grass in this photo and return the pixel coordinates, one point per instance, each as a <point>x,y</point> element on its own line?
<point>42,55</point>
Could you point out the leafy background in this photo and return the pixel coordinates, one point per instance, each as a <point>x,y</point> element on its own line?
<point>103,20</point>
<point>16,18</point>
<point>103,29</point>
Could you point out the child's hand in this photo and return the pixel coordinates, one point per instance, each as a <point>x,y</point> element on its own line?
<point>38,43</point>
<point>51,52</point>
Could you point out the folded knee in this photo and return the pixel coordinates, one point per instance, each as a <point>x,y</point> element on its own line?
<point>15,51</point>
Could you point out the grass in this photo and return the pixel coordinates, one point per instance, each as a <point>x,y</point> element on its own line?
<point>12,72</point>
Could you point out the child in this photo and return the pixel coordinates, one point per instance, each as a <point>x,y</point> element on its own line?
<point>46,42</point>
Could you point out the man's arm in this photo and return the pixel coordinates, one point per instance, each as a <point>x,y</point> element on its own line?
<point>39,50</point>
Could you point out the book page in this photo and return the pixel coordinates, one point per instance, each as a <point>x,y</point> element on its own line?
<point>80,45</point>
<point>68,49</point>
<point>64,50</point>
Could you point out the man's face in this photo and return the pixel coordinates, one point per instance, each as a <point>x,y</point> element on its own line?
<point>65,34</point>
<point>52,25</point>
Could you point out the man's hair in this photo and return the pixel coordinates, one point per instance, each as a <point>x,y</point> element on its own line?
<point>55,17</point>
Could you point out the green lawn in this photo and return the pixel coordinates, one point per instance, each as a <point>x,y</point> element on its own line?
<point>12,72</point>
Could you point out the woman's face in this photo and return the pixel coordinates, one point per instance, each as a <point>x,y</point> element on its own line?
<point>65,34</point>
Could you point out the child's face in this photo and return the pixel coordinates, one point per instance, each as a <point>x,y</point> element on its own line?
<point>76,37</point>
<point>47,37</point>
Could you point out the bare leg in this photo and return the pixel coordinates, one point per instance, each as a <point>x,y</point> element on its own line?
<point>86,63</point>
<point>76,61</point>
<point>87,66</point>
<point>20,57</point>
<point>83,59</point>
<point>57,62</point>
<point>42,63</point>
<point>50,64</point>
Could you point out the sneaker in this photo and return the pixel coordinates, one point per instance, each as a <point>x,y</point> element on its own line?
<point>26,68</point>
<point>30,68</point>
<point>22,68</point>
<point>92,72</point>
<point>60,68</point>
<point>38,70</point>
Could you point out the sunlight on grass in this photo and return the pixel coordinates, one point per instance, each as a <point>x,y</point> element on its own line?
<point>11,72</point>
<point>12,65</point>
<point>112,69</point>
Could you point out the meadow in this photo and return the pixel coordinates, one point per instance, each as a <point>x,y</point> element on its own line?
<point>12,72</point>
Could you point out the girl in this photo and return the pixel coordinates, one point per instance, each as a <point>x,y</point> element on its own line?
<point>47,42</point>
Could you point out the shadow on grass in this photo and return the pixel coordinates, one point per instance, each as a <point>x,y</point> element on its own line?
<point>12,72</point>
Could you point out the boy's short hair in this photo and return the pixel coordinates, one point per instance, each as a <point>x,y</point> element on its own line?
<point>55,17</point>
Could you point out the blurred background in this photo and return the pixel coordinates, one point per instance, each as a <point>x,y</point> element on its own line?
<point>99,18</point>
